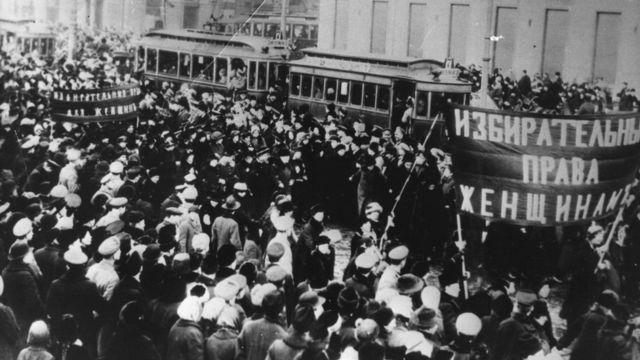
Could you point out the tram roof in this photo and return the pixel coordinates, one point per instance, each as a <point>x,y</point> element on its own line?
<point>25,27</point>
<point>419,69</point>
<point>206,42</point>
<point>270,18</point>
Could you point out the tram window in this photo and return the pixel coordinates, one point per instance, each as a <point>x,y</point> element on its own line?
<point>238,75</point>
<point>343,92</point>
<point>330,90</point>
<point>43,47</point>
<point>202,67</point>
<point>304,34</point>
<point>221,71</point>
<point>270,31</point>
<point>262,75</point>
<point>245,29</point>
<point>273,73</point>
<point>318,87</point>
<point>297,31</point>
<point>314,32</point>
<point>422,103</point>
<point>27,45</point>
<point>306,86</point>
<point>52,43</point>
<point>295,84</point>
<point>257,29</point>
<point>185,65</point>
<point>369,95</point>
<point>168,61</point>
<point>19,44</point>
<point>383,98</point>
<point>356,93</point>
<point>438,101</point>
<point>151,60</point>
<point>456,98</point>
<point>141,59</point>
<point>288,28</point>
<point>252,74</point>
<point>36,44</point>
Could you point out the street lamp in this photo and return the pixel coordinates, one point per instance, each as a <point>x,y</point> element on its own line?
<point>486,66</point>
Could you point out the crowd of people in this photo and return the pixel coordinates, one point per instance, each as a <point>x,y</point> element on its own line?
<point>551,94</point>
<point>200,232</point>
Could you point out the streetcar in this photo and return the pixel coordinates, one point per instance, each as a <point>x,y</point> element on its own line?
<point>213,61</point>
<point>27,37</point>
<point>377,86</point>
<point>301,30</point>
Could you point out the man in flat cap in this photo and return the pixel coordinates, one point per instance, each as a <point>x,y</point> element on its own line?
<point>104,274</point>
<point>512,328</point>
<point>116,207</point>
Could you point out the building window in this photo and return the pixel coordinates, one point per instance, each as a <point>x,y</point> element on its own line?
<point>342,25</point>
<point>606,50</point>
<point>190,19</point>
<point>556,27</point>
<point>379,27</point>
<point>506,26</point>
<point>417,29</point>
<point>458,26</point>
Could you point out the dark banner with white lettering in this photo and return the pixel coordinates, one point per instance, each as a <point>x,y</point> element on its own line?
<point>540,169</point>
<point>96,105</point>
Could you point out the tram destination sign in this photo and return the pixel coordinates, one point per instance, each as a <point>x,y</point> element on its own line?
<point>541,169</point>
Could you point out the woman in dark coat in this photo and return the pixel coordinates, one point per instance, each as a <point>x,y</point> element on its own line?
<point>22,293</point>
<point>186,340</point>
<point>9,331</point>
<point>128,340</point>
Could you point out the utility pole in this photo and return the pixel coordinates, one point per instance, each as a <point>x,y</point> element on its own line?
<point>283,20</point>
<point>71,41</point>
<point>486,60</point>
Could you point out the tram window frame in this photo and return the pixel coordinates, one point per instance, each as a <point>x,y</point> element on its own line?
<point>353,95</point>
<point>326,88</point>
<point>263,76</point>
<point>422,114</point>
<point>244,26</point>
<point>272,74</point>
<point>258,28</point>
<point>221,80</point>
<point>155,60</point>
<point>364,95</point>
<point>236,73</point>
<point>141,55</point>
<point>379,95</point>
<point>168,62</point>
<point>252,79</point>
<point>340,97</point>
<point>322,81</point>
<point>435,97</point>
<point>207,65</point>
<point>296,85</point>
<point>305,90</point>
<point>181,66</point>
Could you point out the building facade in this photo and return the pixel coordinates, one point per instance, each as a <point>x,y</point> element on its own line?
<point>582,39</point>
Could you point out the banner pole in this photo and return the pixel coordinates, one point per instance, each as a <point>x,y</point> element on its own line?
<point>465,286</point>
<point>383,238</point>
<point>615,224</point>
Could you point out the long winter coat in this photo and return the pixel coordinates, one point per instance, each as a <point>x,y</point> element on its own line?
<point>21,294</point>
<point>9,334</point>
<point>185,341</point>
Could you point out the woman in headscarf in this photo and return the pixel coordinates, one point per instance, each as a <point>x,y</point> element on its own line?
<point>186,340</point>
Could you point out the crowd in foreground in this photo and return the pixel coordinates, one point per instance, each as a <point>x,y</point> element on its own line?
<point>200,232</point>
